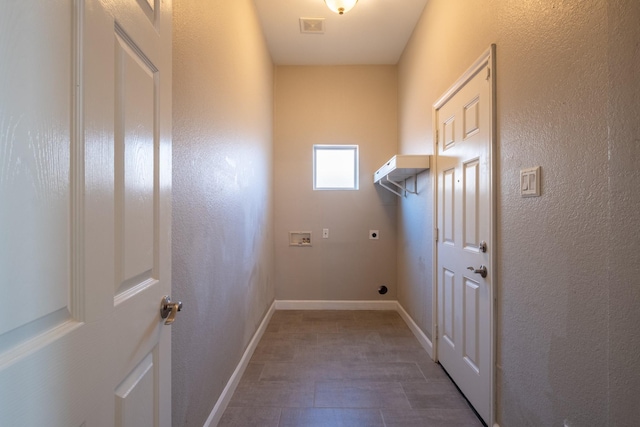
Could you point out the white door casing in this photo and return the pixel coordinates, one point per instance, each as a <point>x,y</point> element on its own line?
<point>85,212</point>
<point>464,119</point>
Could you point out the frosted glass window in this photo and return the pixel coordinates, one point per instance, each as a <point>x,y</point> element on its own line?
<point>335,167</point>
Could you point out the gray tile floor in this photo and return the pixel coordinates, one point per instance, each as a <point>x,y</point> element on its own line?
<point>344,369</point>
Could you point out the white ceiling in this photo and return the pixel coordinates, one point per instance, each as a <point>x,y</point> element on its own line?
<point>373,32</point>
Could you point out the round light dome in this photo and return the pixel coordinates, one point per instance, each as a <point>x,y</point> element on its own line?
<point>341,6</point>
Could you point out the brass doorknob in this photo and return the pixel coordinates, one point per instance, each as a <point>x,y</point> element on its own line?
<point>168,309</point>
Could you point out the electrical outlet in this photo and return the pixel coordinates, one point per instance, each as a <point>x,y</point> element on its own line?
<point>374,234</point>
<point>325,233</point>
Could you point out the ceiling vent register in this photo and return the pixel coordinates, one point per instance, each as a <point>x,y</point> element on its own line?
<point>312,25</point>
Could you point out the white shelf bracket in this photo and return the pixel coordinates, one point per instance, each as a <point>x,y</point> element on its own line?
<point>400,186</point>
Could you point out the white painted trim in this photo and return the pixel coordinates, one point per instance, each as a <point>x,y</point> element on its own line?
<point>484,60</point>
<point>335,305</point>
<point>493,188</point>
<point>434,244</point>
<point>232,384</point>
<point>424,341</point>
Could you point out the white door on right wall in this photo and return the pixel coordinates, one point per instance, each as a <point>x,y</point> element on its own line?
<point>465,244</point>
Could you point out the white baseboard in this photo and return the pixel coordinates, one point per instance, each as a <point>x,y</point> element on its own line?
<point>424,341</point>
<point>336,305</point>
<point>232,384</point>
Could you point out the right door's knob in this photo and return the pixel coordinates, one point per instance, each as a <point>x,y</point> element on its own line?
<point>482,270</point>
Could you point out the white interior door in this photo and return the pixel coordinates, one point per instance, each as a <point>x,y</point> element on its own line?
<point>465,242</point>
<point>85,214</point>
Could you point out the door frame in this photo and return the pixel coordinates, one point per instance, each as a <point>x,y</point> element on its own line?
<point>487,59</point>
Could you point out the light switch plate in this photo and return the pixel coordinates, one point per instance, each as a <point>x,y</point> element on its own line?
<point>530,182</point>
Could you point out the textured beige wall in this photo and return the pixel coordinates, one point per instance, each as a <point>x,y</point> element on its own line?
<point>222,196</point>
<point>623,255</point>
<point>334,105</point>
<point>568,288</point>
<point>415,248</point>
<point>568,100</point>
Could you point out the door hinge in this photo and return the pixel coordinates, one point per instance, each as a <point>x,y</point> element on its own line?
<point>488,73</point>
<point>437,334</point>
<point>437,136</point>
<point>436,233</point>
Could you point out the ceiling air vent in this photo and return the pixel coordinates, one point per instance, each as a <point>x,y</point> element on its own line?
<point>312,25</point>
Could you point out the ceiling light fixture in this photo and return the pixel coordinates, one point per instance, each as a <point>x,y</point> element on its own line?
<point>341,6</point>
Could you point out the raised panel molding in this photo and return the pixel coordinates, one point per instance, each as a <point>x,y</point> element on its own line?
<point>135,169</point>
<point>471,304</point>
<point>134,396</point>
<point>40,181</point>
<point>448,295</point>
<point>471,118</point>
<point>471,200</point>
<point>448,200</point>
<point>449,132</point>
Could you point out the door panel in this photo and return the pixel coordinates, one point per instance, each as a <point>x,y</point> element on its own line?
<point>34,170</point>
<point>471,353</point>
<point>134,407</point>
<point>448,206</point>
<point>448,307</point>
<point>85,181</point>
<point>464,216</point>
<point>471,116</point>
<point>471,204</point>
<point>135,182</point>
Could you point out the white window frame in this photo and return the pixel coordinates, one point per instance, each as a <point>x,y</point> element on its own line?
<point>356,161</point>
